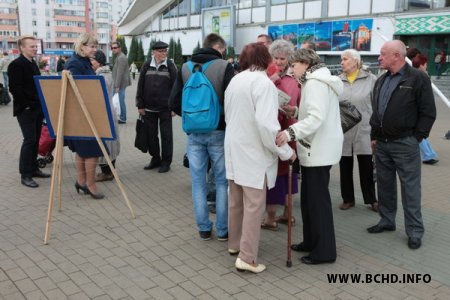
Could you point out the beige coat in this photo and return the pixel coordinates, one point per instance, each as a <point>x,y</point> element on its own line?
<point>251,114</point>
<point>357,139</point>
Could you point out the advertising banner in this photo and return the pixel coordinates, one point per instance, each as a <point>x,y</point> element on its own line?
<point>219,20</point>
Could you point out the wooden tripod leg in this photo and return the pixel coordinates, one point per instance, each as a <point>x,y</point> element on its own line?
<point>99,141</point>
<point>289,207</point>
<point>57,166</point>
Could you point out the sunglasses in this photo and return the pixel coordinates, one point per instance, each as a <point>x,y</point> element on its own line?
<point>114,48</point>
<point>161,50</point>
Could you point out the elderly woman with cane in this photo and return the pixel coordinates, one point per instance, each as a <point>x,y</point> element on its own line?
<point>251,156</point>
<point>319,137</point>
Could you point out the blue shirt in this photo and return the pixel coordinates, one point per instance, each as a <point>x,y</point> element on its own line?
<point>388,87</point>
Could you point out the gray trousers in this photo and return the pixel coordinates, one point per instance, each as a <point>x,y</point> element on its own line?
<point>400,157</point>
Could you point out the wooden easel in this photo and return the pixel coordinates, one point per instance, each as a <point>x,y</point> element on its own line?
<point>57,164</point>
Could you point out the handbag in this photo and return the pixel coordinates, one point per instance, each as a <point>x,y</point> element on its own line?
<point>350,115</point>
<point>142,139</point>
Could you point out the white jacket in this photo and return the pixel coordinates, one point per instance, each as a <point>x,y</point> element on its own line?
<point>318,130</point>
<point>251,114</point>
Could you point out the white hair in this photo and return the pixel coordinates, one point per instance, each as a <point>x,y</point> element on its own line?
<point>353,54</point>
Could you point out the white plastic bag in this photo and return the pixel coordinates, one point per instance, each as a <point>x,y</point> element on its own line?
<point>116,104</point>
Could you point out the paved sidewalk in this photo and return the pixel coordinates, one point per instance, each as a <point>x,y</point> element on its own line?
<point>96,251</point>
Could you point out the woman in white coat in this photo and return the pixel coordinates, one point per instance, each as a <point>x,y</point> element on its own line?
<point>251,155</point>
<point>319,136</point>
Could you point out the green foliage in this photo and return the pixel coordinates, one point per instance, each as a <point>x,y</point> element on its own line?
<point>140,52</point>
<point>172,46</point>
<point>132,56</point>
<point>178,55</point>
<point>196,48</point>
<point>149,53</point>
<point>139,64</point>
<point>123,45</point>
<point>230,52</point>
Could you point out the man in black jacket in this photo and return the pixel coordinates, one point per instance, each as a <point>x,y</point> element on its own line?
<point>205,147</point>
<point>156,79</point>
<point>27,108</point>
<point>403,114</point>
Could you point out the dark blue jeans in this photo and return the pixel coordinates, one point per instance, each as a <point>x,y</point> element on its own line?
<point>30,122</point>
<point>400,157</point>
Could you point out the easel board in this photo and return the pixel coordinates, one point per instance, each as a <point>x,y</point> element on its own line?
<point>76,127</point>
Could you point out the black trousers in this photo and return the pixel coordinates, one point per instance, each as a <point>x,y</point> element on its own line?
<point>318,227</point>
<point>30,122</point>
<point>365,166</point>
<point>164,118</point>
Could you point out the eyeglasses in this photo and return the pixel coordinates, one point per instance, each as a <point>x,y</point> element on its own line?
<point>161,50</point>
<point>114,48</point>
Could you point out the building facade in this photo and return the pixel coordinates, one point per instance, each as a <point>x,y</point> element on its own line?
<point>334,25</point>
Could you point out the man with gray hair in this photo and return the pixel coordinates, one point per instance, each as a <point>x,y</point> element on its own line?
<point>403,114</point>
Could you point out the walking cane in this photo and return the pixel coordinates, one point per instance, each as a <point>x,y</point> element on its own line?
<point>289,211</point>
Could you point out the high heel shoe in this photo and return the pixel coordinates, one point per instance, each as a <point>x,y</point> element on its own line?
<point>79,187</point>
<point>95,196</point>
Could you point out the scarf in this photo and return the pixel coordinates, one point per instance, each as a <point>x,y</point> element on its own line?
<point>311,69</point>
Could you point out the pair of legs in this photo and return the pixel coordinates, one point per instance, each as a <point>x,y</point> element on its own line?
<point>5,80</point>
<point>317,215</point>
<point>365,166</point>
<point>246,208</point>
<point>400,157</point>
<point>426,151</point>
<point>202,148</point>
<point>123,107</point>
<point>86,172</point>
<point>30,121</point>
<point>163,121</point>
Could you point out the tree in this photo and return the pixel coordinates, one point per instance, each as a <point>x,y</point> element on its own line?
<point>140,53</point>
<point>196,48</point>
<point>171,52</point>
<point>230,52</point>
<point>121,40</point>
<point>149,53</point>
<point>178,55</point>
<point>132,56</point>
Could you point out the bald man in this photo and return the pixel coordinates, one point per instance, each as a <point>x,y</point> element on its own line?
<point>403,114</point>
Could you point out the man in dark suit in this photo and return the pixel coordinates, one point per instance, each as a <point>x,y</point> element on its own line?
<point>27,108</point>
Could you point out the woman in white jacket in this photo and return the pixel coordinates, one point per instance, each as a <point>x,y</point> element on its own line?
<point>319,136</point>
<point>251,155</point>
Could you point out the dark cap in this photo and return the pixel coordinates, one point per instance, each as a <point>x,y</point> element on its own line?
<point>100,57</point>
<point>160,45</point>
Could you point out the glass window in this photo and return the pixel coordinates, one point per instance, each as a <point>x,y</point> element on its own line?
<point>419,4</point>
<point>275,2</point>
<point>441,3</point>
<point>257,3</point>
<point>292,1</point>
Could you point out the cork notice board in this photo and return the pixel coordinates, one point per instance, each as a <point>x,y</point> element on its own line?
<point>93,91</point>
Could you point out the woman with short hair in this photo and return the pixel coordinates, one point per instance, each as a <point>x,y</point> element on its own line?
<point>87,151</point>
<point>358,86</point>
<point>251,156</point>
<point>319,137</point>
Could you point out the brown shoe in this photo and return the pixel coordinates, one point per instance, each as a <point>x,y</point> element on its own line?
<point>374,206</point>
<point>270,226</point>
<point>345,206</point>
<point>103,177</point>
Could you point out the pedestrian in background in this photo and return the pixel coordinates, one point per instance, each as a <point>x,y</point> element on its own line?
<point>27,108</point>
<point>121,77</point>
<point>133,70</point>
<point>358,85</point>
<point>4,63</point>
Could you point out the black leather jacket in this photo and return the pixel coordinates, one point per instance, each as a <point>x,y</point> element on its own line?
<point>410,111</point>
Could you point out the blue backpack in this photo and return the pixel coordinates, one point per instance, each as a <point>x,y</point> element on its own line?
<point>200,108</point>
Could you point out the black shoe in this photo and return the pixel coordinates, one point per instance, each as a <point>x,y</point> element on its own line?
<point>205,235</point>
<point>29,182</point>
<point>300,247</point>
<point>414,243</point>
<point>154,163</point>
<point>430,161</point>
<point>380,228</point>
<point>122,122</point>
<point>164,169</point>
<point>308,260</point>
<point>40,174</point>
<point>223,238</point>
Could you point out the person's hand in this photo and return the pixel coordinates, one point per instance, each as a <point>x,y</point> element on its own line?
<point>282,138</point>
<point>141,111</point>
<point>373,144</point>
<point>173,114</point>
<point>288,110</point>
<point>293,157</point>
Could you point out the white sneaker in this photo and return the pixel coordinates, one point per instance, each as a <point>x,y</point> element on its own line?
<point>242,266</point>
